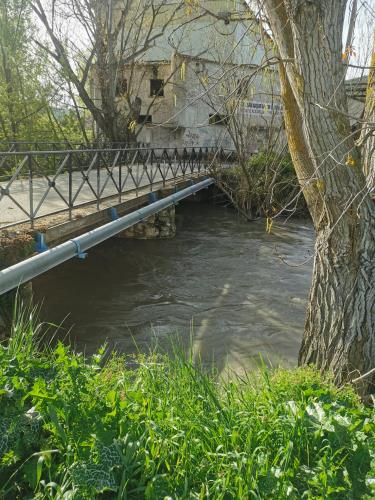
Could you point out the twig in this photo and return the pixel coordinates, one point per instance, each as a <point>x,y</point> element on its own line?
<point>365,375</point>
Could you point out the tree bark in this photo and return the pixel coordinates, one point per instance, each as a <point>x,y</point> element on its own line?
<point>340,325</point>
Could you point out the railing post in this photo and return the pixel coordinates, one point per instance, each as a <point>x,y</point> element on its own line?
<point>31,190</point>
<point>70,182</point>
<point>120,178</point>
<point>98,182</point>
<point>161,172</point>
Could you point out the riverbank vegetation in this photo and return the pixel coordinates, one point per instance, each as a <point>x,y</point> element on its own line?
<point>160,427</point>
<point>265,185</point>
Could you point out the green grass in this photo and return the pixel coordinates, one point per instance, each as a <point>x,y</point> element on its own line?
<point>159,427</point>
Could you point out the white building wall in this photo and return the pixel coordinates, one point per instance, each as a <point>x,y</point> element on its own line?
<point>209,51</point>
<point>181,118</point>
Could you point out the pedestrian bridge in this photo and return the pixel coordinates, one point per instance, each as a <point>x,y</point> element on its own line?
<point>73,200</point>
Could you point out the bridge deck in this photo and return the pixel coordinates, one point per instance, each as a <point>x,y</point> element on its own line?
<point>36,184</point>
<point>58,227</point>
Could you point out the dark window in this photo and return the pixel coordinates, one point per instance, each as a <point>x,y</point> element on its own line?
<point>156,88</point>
<point>142,119</point>
<point>121,87</point>
<point>217,119</point>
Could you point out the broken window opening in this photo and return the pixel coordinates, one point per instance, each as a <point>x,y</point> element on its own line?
<point>143,119</point>
<point>156,87</point>
<point>217,119</point>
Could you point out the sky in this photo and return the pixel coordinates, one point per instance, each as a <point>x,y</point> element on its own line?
<point>364,33</point>
<point>363,36</point>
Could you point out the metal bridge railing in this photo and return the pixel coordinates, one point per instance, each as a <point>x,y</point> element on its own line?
<point>27,146</point>
<point>38,183</point>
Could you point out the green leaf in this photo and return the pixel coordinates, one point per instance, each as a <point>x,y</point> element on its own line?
<point>39,469</point>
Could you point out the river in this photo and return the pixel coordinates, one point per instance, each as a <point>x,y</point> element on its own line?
<point>223,286</point>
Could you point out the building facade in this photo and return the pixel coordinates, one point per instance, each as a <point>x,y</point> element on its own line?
<point>204,80</point>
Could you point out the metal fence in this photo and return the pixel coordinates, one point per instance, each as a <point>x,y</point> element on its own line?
<point>38,183</point>
<point>26,146</point>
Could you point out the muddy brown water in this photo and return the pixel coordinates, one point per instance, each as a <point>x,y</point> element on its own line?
<point>223,285</point>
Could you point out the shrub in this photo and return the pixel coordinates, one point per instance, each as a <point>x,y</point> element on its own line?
<point>265,186</point>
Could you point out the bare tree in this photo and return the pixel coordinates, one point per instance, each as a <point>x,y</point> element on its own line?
<point>117,33</point>
<point>245,106</point>
<point>340,325</point>
<point>249,106</point>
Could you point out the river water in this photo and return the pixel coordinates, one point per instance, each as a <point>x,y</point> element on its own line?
<point>224,286</point>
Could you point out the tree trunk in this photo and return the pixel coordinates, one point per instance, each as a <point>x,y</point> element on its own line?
<point>10,94</point>
<point>340,326</point>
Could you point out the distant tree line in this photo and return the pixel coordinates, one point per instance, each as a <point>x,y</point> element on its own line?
<point>33,106</point>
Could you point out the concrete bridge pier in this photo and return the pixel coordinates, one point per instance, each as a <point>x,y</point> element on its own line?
<point>163,224</point>
<point>159,226</point>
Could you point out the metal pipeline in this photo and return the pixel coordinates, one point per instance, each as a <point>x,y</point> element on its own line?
<point>24,271</point>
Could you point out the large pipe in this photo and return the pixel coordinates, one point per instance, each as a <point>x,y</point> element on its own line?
<point>28,269</point>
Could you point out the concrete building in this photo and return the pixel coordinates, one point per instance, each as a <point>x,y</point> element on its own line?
<point>202,78</point>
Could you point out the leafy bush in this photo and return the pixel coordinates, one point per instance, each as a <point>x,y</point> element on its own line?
<point>264,186</point>
<point>158,427</point>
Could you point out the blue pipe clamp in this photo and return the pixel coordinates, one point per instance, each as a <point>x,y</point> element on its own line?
<point>152,197</point>
<point>113,213</point>
<point>40,243</point>
<point>81,255</point>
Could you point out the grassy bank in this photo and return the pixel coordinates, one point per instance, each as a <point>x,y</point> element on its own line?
<point>156,427</point>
